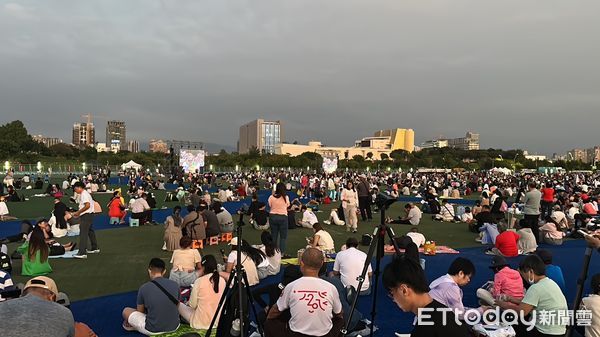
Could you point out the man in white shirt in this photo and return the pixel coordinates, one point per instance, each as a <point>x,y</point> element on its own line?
<point>140,209</point>
<point>309,306</point>
<point>308,218</point>
<point>413,216</point>
<point>348,266</point>
<point>416,237</point>
<point>86,219</point>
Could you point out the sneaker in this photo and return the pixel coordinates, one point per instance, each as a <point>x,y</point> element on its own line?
<point>94,251</point>
<point>489,252</point>
<point>80,256</point>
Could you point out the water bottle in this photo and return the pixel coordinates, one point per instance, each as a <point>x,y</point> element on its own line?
<point>235,327</point>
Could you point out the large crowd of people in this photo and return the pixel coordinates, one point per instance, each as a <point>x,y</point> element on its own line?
<point>511,216</point>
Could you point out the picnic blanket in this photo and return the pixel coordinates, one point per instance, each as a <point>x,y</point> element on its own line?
<point>184,329</point>
<point>66,255</point>
<point>294,261</point>
<point>389,249</point>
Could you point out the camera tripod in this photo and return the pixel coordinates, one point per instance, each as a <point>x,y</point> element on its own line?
<point>237,292</point>
<point>378,244</point>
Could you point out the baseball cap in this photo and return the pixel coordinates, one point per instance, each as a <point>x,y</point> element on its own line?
<point>233,241</point>
<point>498,261</point>
<point>42,282</point>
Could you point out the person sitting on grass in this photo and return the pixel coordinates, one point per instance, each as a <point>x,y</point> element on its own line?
<point>506,243</point>
<point>141,210</point>
<point>413,216</point>
<point>308,218</point>
<point>185,261</point>
<point>334,218</point>
<point>406,284</point>
<point>526,243</point>
<point>272,253</point>
<point>467,216</point>
<point>4,213</point>
<point>446,212</point>
<point>507,282</point>
<point>322,240</point>
<point>224,217</point>
<point>56,249</point>
<point>447,289</point>
<point>291,316</point>
<point>157,305</point>
<point>592,302</point>
<point>348,267</point>
<point>205,296</point>
<point>35,253</point>
<point>543,295</point>
<point>550,234</point>
<point>252,259</point>
<point>173,233</point>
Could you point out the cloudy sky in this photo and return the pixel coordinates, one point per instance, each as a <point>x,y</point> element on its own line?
<point>522,73</point>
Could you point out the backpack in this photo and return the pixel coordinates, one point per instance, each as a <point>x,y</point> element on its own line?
<point>366,239</point>
<point>5,263</point>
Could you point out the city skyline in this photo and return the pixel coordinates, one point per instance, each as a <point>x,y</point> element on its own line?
<point>520,74</point>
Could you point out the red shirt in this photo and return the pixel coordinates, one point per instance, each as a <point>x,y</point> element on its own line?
<point>507,243</point>
<point>547,194</point>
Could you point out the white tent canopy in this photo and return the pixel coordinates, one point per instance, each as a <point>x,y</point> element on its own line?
<point>131,165</point>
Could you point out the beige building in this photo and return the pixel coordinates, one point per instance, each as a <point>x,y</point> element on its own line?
<point>260,134</point>
<point>84,134</point>
<point>158,145</point>
<point>47,141</point>
<point>382,142</point>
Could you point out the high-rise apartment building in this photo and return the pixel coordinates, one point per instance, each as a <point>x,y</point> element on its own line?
<point>84,134</point>
<point>469,142</point>
<point>116,135</point>
<point>260,134</point>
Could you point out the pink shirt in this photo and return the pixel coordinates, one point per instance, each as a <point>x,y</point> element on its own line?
<point>279,206</point>
<point>508,282</point>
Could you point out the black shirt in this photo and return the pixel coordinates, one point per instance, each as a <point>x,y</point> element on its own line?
<point>437,328</point>
<point>484,217</point>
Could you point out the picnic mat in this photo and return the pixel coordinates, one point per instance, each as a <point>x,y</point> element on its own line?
<point>389,249</point>
<point>294,261</point>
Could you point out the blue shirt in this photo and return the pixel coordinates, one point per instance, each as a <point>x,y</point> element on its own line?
<point>555,274</point>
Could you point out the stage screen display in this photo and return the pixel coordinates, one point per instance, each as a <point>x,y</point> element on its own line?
<point>330,164</point>
<point>191,160</point>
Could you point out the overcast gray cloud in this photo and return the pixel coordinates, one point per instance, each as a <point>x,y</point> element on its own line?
<point>522,73</point>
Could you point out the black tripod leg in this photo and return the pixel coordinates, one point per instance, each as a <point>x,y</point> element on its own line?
<point>251,304</point>
<point>580,286</point>
<point>361,278</point>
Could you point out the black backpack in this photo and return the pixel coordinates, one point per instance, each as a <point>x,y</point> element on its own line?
<point>366,239</point>
<point>5,263</point>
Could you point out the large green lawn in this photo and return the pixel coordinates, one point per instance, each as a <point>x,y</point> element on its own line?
<point>125,252</point>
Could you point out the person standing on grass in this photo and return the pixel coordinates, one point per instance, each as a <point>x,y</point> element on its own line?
<point>364,198</point>
<point>350,202</point>
<point>86,220</point>
<point>532,209</point>
<point>278,215</point>
<point>157,305</point>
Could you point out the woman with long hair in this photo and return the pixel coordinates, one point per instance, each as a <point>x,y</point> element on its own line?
<point>206,293</point>
<point>349,198</point>
<point>272,254</point>
<point>35,253</point>
<point>252,259</point>
<point>278,215</point>
<point>173,230</point>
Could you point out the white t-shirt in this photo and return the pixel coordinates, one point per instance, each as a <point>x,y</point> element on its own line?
<point>309,217</point>
<point>84,197</point>
<point>139,205</point>
<point>466,217</point>
<point>312,303</point>
<point>417,238</point>
<point>325,240</point>
<point>3,208</point>
<point>349,263</point>
<point>248,265</point>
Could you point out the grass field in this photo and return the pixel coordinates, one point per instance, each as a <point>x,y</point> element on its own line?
<point>125,252</point>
